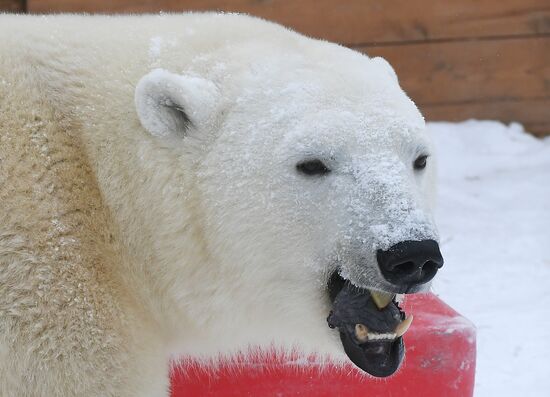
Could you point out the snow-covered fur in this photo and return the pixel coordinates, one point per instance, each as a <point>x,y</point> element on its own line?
<point>150,202</point>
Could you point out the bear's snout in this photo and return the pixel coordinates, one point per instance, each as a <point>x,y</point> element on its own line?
<point>409,264</point>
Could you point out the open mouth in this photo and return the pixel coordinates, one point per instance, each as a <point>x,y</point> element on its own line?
<point>371,326</point>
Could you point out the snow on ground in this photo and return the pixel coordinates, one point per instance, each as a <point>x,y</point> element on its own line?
<point>494,219</point>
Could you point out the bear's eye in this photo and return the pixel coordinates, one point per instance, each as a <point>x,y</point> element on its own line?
<point>312,167</point>
<point>420,162</point>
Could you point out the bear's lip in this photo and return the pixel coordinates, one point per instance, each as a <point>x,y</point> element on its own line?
<point>371,333</point>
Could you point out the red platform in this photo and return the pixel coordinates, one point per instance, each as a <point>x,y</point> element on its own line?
<point>439,362</point>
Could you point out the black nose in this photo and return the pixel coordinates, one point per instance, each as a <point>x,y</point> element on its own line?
<point>410,263</point>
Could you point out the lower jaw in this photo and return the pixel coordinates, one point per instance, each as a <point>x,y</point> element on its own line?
<point>380,358</point>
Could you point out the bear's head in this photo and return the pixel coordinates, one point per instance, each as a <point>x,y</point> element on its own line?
<point>310,170</point>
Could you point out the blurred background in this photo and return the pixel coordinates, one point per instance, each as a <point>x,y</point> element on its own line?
<point>456,59</point>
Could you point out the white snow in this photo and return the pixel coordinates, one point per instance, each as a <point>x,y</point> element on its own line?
<point>494,219</point>
<point>158,44</point>
<point>155,48</point>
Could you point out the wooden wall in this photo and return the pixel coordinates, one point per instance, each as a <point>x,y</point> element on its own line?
<point>461,59</point>
<point>12,6</point>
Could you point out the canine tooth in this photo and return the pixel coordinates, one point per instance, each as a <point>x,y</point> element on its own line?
<point>361,333</point>
<point>403,326</point>
<point>381,299</point>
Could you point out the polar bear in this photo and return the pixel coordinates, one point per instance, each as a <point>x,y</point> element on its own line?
<point>200,185</point>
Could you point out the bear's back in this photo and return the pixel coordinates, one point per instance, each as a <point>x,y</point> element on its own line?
<point>57,300</point>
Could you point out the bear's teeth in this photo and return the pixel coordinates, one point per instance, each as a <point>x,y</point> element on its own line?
<point>381,299</point>
<point>385,336</point>
<point>403,326</point>
<point>361,333</point>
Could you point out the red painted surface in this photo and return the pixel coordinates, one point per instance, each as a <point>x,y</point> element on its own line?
<point>439,362</point>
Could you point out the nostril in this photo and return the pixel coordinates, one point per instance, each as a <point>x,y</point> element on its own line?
<point>429,270</point>
<point>405,269</point>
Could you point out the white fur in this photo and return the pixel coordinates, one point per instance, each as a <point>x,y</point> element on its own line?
<point>127,234</point>
<point>161,98</point>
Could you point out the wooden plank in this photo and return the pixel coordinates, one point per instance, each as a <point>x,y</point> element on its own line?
<point>471,70</point>
<point>534,114</point>
<point>457,60</point>
<point>12,5</point>
<point>354,22</point>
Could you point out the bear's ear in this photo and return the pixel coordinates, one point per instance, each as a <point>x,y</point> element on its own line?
<point>386,65</point>
<point>168,104</point>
